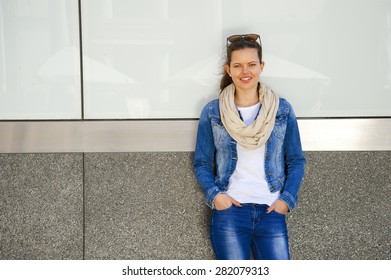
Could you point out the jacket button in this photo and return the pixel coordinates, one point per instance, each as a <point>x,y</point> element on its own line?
<point>268,157</point>
<point>269,140</point>
<point>269,174</point>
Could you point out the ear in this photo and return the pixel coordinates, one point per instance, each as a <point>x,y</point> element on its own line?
<point>227,69</point>
<point>262,65</point>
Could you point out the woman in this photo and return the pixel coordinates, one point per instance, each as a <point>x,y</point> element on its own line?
<point>248,159</point>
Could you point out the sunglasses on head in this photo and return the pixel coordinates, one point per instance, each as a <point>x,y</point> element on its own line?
<point>248,37</point>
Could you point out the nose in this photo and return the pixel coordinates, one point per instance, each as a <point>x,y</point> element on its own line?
<point>245,68</point>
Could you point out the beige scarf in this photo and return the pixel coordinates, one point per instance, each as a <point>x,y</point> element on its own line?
<point>257,133</point>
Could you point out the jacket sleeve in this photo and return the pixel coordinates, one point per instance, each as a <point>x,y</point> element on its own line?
<point>294,161</point>
<point>204,158</point>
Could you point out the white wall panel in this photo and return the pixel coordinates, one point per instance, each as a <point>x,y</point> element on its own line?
<point>161,58</point>
<point>330,58</point>
<point>39,60</point>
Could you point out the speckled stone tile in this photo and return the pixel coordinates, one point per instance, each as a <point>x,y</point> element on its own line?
<point>144,206</point>
<point>149,206</point>
<point>41,206</point>
<point>344,209</point>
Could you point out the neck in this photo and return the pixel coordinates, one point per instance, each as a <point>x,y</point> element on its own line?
<point>246,98</point>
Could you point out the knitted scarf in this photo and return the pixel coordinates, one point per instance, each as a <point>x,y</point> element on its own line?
<point>257,133</point>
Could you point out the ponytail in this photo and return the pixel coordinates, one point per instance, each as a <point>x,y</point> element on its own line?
<point>225,81</point>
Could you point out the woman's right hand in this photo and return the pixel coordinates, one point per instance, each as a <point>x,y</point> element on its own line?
<point>224,201</point>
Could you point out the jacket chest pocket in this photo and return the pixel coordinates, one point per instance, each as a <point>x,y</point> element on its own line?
<point>280,124</point>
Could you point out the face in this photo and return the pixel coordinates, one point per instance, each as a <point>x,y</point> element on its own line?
<point>245,68</point>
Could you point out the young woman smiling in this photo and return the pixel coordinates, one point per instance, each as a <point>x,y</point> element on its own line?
<point>248,159</point>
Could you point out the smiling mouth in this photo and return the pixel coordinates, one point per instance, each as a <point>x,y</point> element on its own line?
<point>246,79</point>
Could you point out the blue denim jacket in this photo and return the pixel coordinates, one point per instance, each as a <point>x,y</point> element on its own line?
<point>215,154</point>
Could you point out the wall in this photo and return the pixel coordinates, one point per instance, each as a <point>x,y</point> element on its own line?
<point>155,59</point>
<point>99,103</point>
<point>149,206</point>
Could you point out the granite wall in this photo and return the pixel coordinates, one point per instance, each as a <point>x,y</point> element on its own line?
<point>149,206</point>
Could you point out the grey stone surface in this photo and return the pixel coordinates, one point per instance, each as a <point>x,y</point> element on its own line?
<point>41,213</point>
<point>144,206</point>
<point>344,211</point>
<point>149,206</point>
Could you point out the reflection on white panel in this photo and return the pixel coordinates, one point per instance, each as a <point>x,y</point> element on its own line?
<point>163,57</point>
<point>167,49</point>
<point>329,58</point>
<point>39,60</point>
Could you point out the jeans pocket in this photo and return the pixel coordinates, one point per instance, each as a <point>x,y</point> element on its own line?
<point>277,213</point>
<point>225,209</point>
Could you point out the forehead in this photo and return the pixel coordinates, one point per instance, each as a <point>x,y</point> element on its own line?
<point>244,55</point>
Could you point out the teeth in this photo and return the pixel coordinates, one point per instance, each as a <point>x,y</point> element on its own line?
<point>245,79</point>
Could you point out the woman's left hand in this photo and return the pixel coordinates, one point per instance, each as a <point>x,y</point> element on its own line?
<point>279,206</point>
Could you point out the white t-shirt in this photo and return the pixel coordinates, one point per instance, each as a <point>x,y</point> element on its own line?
<point>248,182</point>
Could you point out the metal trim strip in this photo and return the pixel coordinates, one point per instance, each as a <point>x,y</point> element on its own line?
<point>176,135</point>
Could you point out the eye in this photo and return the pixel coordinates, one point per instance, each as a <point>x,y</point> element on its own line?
<point>236,66</point>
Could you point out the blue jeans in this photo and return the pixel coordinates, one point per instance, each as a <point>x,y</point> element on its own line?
<point>235,232</point>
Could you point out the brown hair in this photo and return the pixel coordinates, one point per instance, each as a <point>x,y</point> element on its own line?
<point>237,45</point>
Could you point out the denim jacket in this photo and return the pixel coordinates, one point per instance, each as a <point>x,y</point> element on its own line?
<point>215,154</point>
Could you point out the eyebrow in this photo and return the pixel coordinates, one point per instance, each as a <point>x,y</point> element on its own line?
<point>254,61</point>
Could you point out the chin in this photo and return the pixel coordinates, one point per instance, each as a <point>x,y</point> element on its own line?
<point>247,86</point>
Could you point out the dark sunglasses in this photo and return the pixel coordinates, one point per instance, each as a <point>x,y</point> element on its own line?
<point>248,37</point>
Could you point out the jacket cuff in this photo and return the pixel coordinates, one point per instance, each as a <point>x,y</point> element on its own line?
<point>210,198</point>
<point>288,199</point>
